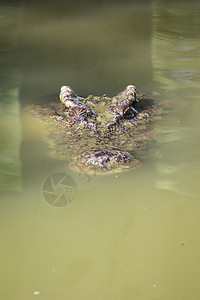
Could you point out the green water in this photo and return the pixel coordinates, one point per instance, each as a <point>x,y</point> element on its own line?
<point>128,236</point>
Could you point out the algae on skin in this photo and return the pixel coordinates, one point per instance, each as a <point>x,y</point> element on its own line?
<point>69,137</point>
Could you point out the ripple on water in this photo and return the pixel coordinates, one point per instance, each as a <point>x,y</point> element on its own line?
<point>185,75</point>
<point>170,135</point>
<point>185,48</point>
<point>179,178</point>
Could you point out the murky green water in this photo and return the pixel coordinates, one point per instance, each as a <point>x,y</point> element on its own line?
<point>134,235</point>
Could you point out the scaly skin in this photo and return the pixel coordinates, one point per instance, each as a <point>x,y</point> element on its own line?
<point>98,132</point>
<point>72,101</point>
<point>125,100</point>
<point>119,106</point>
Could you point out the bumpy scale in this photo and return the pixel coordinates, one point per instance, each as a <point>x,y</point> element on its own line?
<point>73,101</point>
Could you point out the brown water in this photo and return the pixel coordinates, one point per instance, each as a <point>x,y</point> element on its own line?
<point>128,236</point>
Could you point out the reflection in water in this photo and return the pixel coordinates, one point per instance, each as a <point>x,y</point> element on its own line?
<point>96,50</point>
<point>10,129</point>
<point>176,46</point>
<point>176,57</point>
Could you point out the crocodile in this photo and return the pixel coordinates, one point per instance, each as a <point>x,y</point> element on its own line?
<point>99,134</point>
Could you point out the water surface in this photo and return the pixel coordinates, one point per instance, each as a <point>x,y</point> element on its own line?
<point>128,236</point>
